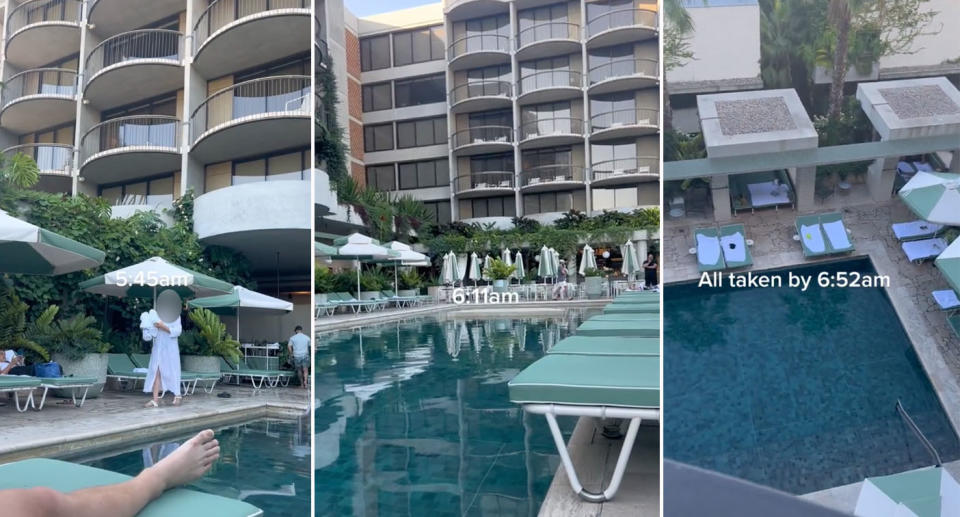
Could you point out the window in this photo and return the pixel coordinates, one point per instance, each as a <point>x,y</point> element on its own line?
<point>381,177</point>
<point>492,163</point>
<point>276,167</point>
<point>421,132</point>
<point>482,81</point>
<point>375,53</point>
<point>378,138</point>
<point>490,33</point>
<point>546,157</point>
<point>151,192</point>
<point>421,90</point>
<point>615,61</point>
<point>546,73</point>
<point>543,23</point>
<point>504,206</point>
<point>612,109</point>
<point>440,211</point>
<point>377,97</point>
<point>546,119</point>
<point>429,173</point>
<point>419,45</point>
<point>618,155</point>
<point>298,65</point>
<point>502,118</point>
<point>554,202</point>
<point>613,198</point>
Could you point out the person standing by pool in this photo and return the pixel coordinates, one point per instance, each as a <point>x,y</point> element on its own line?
<point>164,369</point>
<point>299,347</point>
<point>650,266</point>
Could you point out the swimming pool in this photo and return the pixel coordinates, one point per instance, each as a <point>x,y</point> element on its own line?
<point>795,390</point>
<point>413,418</point>
<point>264,462</point>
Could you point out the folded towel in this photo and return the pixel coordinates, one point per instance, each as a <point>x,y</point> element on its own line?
<point>947,299</point>
<point>708,250</point>
<point>812,238</point>
<point>837,234</point>
<point>734,247</point>
<point>140,370</point>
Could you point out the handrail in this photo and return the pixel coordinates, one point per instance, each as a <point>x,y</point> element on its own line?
<point>546,31</point>
<point>276,94</point>
<point>916,430</point>
<point>152,44</point>
<point>48,157</point>
<point>479,43</point>
<point>551,173</point>
<point>25,14</point>
<point>551,126</point>
<point>621,18</point>
<point>625,166</point>
<point>624,67</point>
<point>221,13</point>
<point>483,88</point>
<point>47,81</point>
<point>550,79</point>
<point>132,131</point>
<point>484,180</point>
<point>625,117</point>
<point>483,135</point>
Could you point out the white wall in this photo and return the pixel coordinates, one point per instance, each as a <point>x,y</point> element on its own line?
<point>934,49</point>
<point>725,43</point>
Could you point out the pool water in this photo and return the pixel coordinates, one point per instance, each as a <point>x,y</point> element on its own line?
<point>794,390</point>
<point>264,462</point>
<point>414,418</point>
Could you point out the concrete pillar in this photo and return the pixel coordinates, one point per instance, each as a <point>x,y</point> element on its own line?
<point>955,161</point>
<point>805,184</point>
<point>720,189</point>
<point>880,177</point>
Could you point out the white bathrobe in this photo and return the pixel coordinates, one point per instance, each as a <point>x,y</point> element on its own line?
<point>165,359</point>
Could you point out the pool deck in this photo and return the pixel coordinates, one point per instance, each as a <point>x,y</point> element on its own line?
<point>64,431</point>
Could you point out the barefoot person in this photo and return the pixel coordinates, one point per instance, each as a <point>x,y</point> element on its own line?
<point>299,347</point>
<point>188,463</point>
<point>164,369</point>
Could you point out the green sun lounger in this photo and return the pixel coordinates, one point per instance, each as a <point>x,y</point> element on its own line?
<point>120,367</point>
<point>707,245</point>
<point>281,377</point>
<point>188,380</point>
<point>258,378</point>
<point>615,346</point>
<point>822,235</point>
<point>838,238</point>
<point>632,308</point>
<point>77,386</point>
<point>18,384</point>
<point>647,318</point>
<point>733,243</point>
<point>638,328</point>
<point>68,477</point>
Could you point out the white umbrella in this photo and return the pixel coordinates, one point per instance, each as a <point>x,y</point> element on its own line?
<point>360,247</point>
<point>486,266</point>
<point>926,492</point>
<point>545,269</point>
<point>241,299</point>
<point>505,257</point>
<point>142,280</point>
<point>555,258</point>
<point>588,261</point>
<point>462,267</point>
<point>448,271</point>
<point>934,196</point>
<point>519,272</point>
<point>474,273</point>
<point>403,255</point>
<point>631,263</point>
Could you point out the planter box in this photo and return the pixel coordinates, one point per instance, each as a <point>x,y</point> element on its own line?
<point>91,365</point>
<point>200,363</point>
<point>499,286</point>
<point>593,286</point>
<point>369,295</point>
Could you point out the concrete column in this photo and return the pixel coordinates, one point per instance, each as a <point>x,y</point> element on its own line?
<point>805,184</point>
<point>955,161</point>
<point>720,189</point>
<point>880,177</point>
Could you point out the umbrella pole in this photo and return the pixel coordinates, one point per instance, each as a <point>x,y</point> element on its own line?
<point>396,286</point>
<point>359,265</point>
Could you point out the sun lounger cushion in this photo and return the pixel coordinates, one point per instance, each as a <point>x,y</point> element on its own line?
<point>915,229</point>
<point>8,382</point>
<point>812,238</point>
<point>639,328</point>
<point>768,193</point>
<point>708,250</point>
<point>589,380</point>
<point>589,345</point>
<point>924,249</point>
<point>837,235</point>
<point>119,365</point>
<point>947,299</point>
<point>636,311</point>
<point>57,382</point>
<point>734,247</point>
<point>68,477</point>
<point>621,316</point>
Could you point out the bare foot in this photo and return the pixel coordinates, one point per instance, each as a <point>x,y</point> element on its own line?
<point>189,462</point>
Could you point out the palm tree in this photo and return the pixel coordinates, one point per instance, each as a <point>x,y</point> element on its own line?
<point>18,171</point>
<point>678,24</point>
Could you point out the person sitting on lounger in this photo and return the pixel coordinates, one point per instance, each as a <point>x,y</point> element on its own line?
<point>12,364</point>
<point>188,463</point>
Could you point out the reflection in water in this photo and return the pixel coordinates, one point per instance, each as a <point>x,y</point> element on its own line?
<point>414,416</point>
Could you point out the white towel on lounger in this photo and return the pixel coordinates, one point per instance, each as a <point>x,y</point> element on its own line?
<point>734,247</point>
<point>812,238</point>
<point>708,250</point>
<point>837,234</point>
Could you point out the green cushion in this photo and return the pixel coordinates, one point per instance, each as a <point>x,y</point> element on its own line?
<point>587,345</point>
<point>141,360</point>
<point>646,316</point>
<point>589,380</point>
<point>631,309</point>
<point>637,328</point>
<point>120,364</point>
<point>68,477</point>
<point>18,381</point>
<point>635,301</point>
<point>69,381</point>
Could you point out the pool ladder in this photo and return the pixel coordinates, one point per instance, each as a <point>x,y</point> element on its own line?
<point>916,430</point>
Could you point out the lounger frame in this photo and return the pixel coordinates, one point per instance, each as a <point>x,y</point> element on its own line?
<point>73,393</point>
<point>28,401</point>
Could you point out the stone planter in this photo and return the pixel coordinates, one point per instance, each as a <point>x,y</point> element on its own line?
<point>321,297</point>
<point>593,286</point>
<point>91,365</point>
<point>500,285</point>
<point>200,363</point>
<point>404,293</point>
<point>369,295</point>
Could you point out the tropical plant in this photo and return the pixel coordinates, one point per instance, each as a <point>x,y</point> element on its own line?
<point>13,323</point>
<point>526,224</point>
<point>570,220</point>
<point>210,337</point>
<point>374,280</point>
<point>73,337</point>
<point>330,151</point>
<point>499,270</point>
<point>18,172</point>
<point>323,279</point>
<point>409,279</point>
<point>592,272</point>
<point>410,214</point>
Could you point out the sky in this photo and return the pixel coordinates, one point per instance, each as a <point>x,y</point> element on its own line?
<point>363,8</point>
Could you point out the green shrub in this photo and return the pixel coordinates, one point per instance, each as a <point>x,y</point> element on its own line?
<point>73,337</point>
<point>499,270</point>
<point>409,279</point>
<point>209,337</point>
<point>323,279</point>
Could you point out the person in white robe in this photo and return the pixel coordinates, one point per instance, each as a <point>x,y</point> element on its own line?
<point>163,374</point>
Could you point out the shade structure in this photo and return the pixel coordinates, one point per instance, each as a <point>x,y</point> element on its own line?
<point>241,301</point>
<point>546,268</point>
<point>949,264</point>
<point>588,260</point>
<point>359,248</point>
<point>462,259</point>
<point>519,272</point>
<point>324,250</point>
<point>145,279</point>
<point>401,254</point>
<point>926,492</point>
<point>487,260</point>
<point>631,262</point>
<point>555,257</point>
<point>474,272</point>
<point>28,249</point>
<point>448,271</point>
<point>505,256</point>
<point>934,196</point>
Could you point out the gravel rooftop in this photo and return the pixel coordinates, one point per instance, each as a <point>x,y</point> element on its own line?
<point>754,116</point>
<point>919,101</point>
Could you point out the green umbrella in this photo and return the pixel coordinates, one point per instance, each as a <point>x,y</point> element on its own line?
<point>631,263</point>
<point>949,264</point>
<point>29,249</point>
<point>934,196</point>
<point>324,250</point>
<point>144,279</point>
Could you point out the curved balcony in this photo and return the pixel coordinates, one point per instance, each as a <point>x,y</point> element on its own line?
<point>549,132</point>
<point>38,99</point>
<point>252,117</point>
<point>479,50</point>
<point>134,65</point>
<point>482,140</point>
<point>621,26</point>
<point>548,39</point>
<point>108,17</point>
<point>232,35</point>
<point>624,74</point>
<point>480,96</point>
<point>624,123</point>
<point>550,86</point>
<point>129,148</point>
<point>463,9</point>
<point>483,184</point>
<point>549,178</point>
<point>42,31</point>
<point>625,171</point>
<point>51,159</point>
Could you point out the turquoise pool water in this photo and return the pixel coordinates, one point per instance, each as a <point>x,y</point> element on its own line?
<point>795,390</point>
<point>413,418</point>
<point>265,463</point>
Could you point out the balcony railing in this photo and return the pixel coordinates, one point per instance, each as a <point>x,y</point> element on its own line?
<point>624,68</point>
<point>479,43</point>
<point>484,180</point>
<point>621,18</point>
<point>144,131</point>
<point>483,135</point>
<point>551,174</point>
<point>224,12</point>
<point>50,158</point>
<point>152,44</point>
<point>548,31</point>
<point>256,97</point>
<point>625,117</point>
<point>42,11</point>
<point>626,166</point>
<point>474,89</point>
<point>550,79</point>
<point>551,126</point>
<point>40,81</point>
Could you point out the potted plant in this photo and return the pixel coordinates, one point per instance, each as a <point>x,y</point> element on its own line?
<point>201,347</point>
<point>499,271</point>
<point>371,283</point>
<point>322,283</point>
<point>13,325</point>
<point>593,282</point>
<point>75,343</point>
<point>410,283</point>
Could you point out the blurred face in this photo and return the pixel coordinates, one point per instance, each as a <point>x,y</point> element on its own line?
<point>169,305</point>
